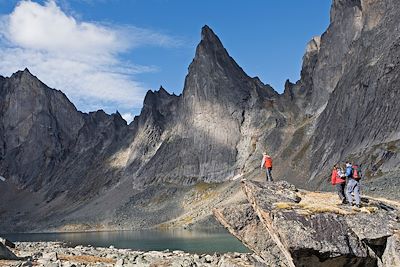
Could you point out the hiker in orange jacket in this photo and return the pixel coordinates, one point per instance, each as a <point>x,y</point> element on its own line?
<point>267,164</point>
<point>338,182</point>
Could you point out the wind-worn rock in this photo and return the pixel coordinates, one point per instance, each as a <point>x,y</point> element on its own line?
<point>312,229</point>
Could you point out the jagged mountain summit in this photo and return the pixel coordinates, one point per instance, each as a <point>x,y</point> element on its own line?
<point>80,170</point>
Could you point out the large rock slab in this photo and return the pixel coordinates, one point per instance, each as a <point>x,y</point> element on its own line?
<point>318,238</point>
<point>243,223</point>
<point>312,228</point>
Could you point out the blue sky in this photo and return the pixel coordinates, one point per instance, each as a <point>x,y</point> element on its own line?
<point>110,52</point>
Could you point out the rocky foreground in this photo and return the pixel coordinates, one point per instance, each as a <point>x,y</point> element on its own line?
<point>56,254</point>
<point>290,227</point>
<point>282,225</point>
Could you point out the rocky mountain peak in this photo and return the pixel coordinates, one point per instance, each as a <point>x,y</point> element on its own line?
<point>214,75</point>
<point>23,74</point>
<point>210,49</point>
<point>155,98</point>
<point>210,39</point>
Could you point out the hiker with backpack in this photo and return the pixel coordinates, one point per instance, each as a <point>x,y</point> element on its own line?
<point>267,164</point>
<point>353,175</point>
<point>337,179</point>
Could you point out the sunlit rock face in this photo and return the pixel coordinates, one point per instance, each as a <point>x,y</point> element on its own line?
<point>208,122</point>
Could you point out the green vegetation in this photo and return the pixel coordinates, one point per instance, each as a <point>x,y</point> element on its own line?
<point>203,186</point>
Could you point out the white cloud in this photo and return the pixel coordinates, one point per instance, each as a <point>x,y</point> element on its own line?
<point>128,117</point>
<point>83,59</point>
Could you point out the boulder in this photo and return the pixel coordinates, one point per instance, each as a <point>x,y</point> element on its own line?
<point>7,242</point>
<point>391,255</point>
<point>51,256</point>
<point>6,254</point>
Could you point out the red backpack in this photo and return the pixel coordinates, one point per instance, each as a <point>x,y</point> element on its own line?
<point>356,172</point>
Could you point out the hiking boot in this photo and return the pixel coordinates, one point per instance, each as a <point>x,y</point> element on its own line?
<point>344,201</point>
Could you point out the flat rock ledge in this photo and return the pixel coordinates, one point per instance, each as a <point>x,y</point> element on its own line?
<point>289,227</point>
<point>56,254</point>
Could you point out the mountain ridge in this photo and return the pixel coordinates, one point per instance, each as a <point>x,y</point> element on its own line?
<point>76,165</point>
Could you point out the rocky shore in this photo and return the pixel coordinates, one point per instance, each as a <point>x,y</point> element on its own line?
<point>57,254</point>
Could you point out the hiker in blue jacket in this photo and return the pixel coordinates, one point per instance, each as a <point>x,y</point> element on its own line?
<point>353,185</point>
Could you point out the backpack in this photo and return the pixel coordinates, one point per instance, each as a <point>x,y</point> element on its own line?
<point>268,162</point>
<point>356,173</point>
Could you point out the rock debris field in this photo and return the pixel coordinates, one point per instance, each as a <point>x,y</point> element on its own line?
<point>56,254</point>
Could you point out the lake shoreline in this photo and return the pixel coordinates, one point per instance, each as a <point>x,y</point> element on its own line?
<point>207,241</point>
<point>60,254</point>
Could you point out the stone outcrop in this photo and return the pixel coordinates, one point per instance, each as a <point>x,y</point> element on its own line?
<point>302,228</point>
<point>243,222</point>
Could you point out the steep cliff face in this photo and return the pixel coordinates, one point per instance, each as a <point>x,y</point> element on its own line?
<point>361,118</point>
<point>47,145</point>
<point>345,27</point>
<point>36,132</point>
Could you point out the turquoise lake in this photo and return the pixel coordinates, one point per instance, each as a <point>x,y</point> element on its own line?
<point>195,241</point>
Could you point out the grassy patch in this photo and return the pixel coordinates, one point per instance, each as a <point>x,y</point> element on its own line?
<point>369,209</point>
<point>187,220</point>
<point>315,209</point>
<point>203,186</point>
<point>314,203</point>
<point>9,263</point>
<point>392,146</point>
<point>283,205</point>
<point>86,259</point>
<point>204,191</point>
<point>322,202</point>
